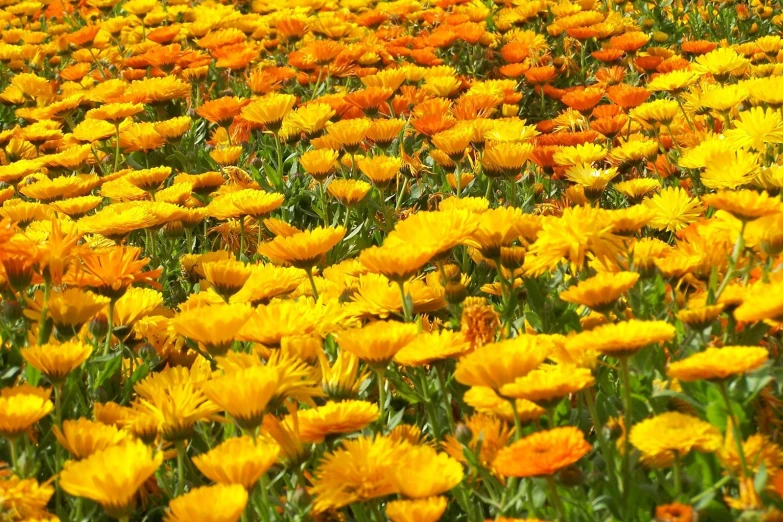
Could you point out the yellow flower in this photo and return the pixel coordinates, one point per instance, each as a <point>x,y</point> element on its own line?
<point>26,499</point>
<point>729,170</point>
<point>592,179</point>
<point>756,128</point>
<point>362,469</point>
<point>422,472</point>
<point>496,364</point>
<point>762,302</point>
<point>319,163</point>
<point>215,327</point>
<point>227,276</point>
<point>380,169</point>
<point>421,510</point>
<point>671,434</point>
<point>20,411</point>
<point>758,450</point>
<point>303,249</point>
<point>112,476</point>
<point>673,209</point>
<point>601,291</point>
<point>83,437</point>
<point>428,347</point>
<point>239,460</point>
<point>397,262</point>
<point>745,205</point>
<point>244,394</point>
<point>377,342</point>
<point>332,418</point>
<point>218,503</point>
<point>269,110</point>
<point>56,361</point>
<point>622,339</point>
<point>548,384</point>
<point>718,363</point>
<point>71,309</point>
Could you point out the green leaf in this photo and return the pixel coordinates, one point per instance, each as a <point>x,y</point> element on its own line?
<point>112,366</point>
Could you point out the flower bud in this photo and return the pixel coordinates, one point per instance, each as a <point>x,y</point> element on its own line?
<point>99,326</point>
<point>463,433</point>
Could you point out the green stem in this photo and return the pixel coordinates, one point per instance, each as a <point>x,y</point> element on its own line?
<point>739,245</point>
<point>58,404</point>
<point>736,433</point>
<point>380,373</point>
<point>625,374</point>
<point>446,399</point>
<point>517,422</point>
<point>312,282</point>
<point>109,332</point>
<point>677,472</point>
<point>241,237</point>
<point>42,329</point>
<point>117,148</point>
<point>602,443</point>
<point>14,458</point>
<point>407,313</point>
<point>181,453</point>
<point>561,513</point>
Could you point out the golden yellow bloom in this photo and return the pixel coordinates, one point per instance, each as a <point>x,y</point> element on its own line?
<point>227,276</point>
<point>302,249</point>
<point>622,339</point>
<point>718,363</point>
<point>496,364</point>
<point>218,503</point>
<point>130,465</point>
<point>758,449</point>
<point>422,472</point>
<point>745,205</point>
<point>428,347</point>
<point>71,309</point>
<point>601,291</point>
<point>215,327</point>
<point>674,209</point>
<point>332,418</point>
<point>422,510</point>
<point>548,384</point>
<point>26,499</point>
<point>762,302</point>
<point>83,437</point>
<point>377,342</point>
<point>542,453</point>
<point>240,460</point>
<point>673,434</point>
<point>485,400</point>
<point>269,110</point>
<point>349,192</point>
<point>244,394</point>
<point>56,361</point>
<point>20,411</point>
<point>319,163</point>
<point>397,262</point>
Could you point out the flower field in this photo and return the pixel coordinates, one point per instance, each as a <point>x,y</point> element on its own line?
<point>338,260</point>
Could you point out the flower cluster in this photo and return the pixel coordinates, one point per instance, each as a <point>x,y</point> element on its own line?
<point>409,261</point>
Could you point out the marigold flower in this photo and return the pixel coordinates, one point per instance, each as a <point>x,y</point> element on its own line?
<point>718,363</point>
<point>56,361</point>
<point>20,411</point>
<point>227,504</point>
<point>550,450</point>
<point>83,437</point>
<point>303,249</point>
<point>239,460</point>
<point>333,418</point>
<point>672,435</point>
<point>622,339</point>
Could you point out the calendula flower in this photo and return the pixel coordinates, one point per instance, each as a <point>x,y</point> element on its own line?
<point>422,472</point>
<point>221,110</point>
<point>421,510</point>
<point>239,460</point>
<point>218,503</point>
<point>761,303</point>
<point>244,394</point>
<point>83,437</point>
<point>672,435</point>
<point>718,363</point>
<point>56,361</point>
<point>333,418</point>
<point>601,291</point>
<point>26,499</point>
<point>360,470</point>
<point>428,347</point>
<point>71,309</point>
<point>320,163</point>
<point>622,339</point>
<point>397,262</point>
<point>496,364</point>
<point>745,205</point>
<point>377,342</point>
<point>303,249</point>
<point>20,411</point>
<point>349,192</point>
<point>215,327</point>
<point>269,110</point>
<point>130,464</point>
<point>542,453</point>
<point>674,209</point>
<point>109,272</point>
<point>758,450</point>
<point>548,384</point>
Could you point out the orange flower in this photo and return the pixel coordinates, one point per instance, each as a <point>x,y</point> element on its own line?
<point>627,96</point>
<point>583,99</point>
<point>629,42</point>
<point>542,453</point>
<point>221,110</point>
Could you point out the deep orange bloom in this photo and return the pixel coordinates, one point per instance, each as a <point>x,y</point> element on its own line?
<point>627,96</point>
<point>221,110</point>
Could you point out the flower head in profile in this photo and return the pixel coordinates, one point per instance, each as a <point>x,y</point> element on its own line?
<point>56,361</point>
<point>83,437</point>
<point>745,205</point>
<point>19,411</point>
<point>549,383</point>
<point>423,472</point>
<point>26,499</point>
<point>601,291</point>
<point>428,347</point>
<point>396,262</point>
<point>112,476</point>
<point>221,110</point>
<point>669,435</point>
<point>349,192</point>
<point>377,342</point>
<point>421,510</point>
<point>215,327</point>
<point>303,249</point>
<point>109,272</point>
<point>622,339</point>
<point>239,460</point>
<point>244,394</point>
<point>542,453</point>
<point>496,364</point>
<point>218,503</point>
<point>715,364</point>
<point>334,418</point>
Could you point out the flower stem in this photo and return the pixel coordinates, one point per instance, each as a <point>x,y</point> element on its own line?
<point>406,312</point>
<point>517,422</point>
<point>608,455</point>
<point>312,282</point>
<point>677,472</point>
<point>380,372</point>
<point>446,398</point>
<point>561,513</point>
<point>241,237</point>
<point>736,433</point>
<point>625,375</point>
<point>181,451</point>
<point>107,342</point>
<point>117,148</point>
